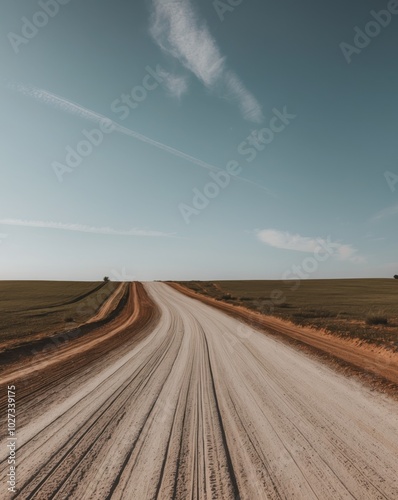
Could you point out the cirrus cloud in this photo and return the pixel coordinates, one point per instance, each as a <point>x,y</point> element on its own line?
<point>295,242</point>
<point>81,228</point>
<point>177,85</point>
<point>387,212</point>
<point>180,33</point>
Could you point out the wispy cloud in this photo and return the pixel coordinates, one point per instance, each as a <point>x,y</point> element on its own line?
<point>387,212</point>
<point>179,32</point>
<point>58,102</point>
<point>298,243</point>
<point>177,85</point>
<point>81,228</point>
<point>372,237</point>
<point>73,108</point>
<point>247,103</point>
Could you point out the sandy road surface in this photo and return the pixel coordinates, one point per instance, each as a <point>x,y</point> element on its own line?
<point>205,407</point>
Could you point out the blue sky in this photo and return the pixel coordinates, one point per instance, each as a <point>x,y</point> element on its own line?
<point>187,140</point>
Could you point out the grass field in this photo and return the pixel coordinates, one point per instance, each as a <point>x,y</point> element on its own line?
<point>32,308</point>
<point>366,309</point>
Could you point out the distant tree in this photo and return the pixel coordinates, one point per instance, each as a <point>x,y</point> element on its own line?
<point>106,279</point>
<point>396,277</point>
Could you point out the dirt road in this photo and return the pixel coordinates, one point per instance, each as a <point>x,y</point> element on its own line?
<point>205,407</point>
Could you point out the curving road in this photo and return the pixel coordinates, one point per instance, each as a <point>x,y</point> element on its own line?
<point>204,407</point>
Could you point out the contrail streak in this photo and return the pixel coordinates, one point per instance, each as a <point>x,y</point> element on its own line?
<point>81,228</point>
<point>73,108</point>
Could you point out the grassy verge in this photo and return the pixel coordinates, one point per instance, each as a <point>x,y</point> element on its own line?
<point>364,309</point>
<point>32,308</point>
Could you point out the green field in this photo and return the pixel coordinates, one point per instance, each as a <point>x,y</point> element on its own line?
<point>32,308</point>
<point>346,307</point>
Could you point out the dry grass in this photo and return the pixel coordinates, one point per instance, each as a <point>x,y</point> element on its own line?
<point>376,319</point>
